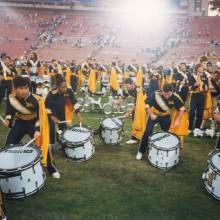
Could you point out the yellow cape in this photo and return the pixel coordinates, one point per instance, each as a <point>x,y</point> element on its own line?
<point>139,79</point>
<point>44,140</point>
<point>113,80</point>
<point>208,106</point>
<point>92,81</point>
<point>140,116</point>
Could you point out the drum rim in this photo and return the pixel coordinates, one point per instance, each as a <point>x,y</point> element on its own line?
<point>107,128</point>
<point>27,194</point>
<point>210,192</point>
<point>163,168</point>
<point>24,167</point>
<point>161,148</point>
<point>215,169</point>
<point>77,144</point>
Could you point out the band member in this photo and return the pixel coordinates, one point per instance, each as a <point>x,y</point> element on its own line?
<point>215,92</point>
<point>33,65</point>
<point>130,90</point>
<point>7,73</point>
<point>92,79</point>
<point>216,118</point>
<point>2,208</point>
<point>60,104</point>
<point>159,107</point>
<point>114,84</point>
<point>198,86</point>
<point>22,115</point>
<point>182,81</point>
<point>154,83</point>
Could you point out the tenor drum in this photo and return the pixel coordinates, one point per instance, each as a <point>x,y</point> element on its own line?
<point>77,143</point>
<point>212,175</point>
<point>164,150</point>
<point>21,173</point>
<point>111,131</point>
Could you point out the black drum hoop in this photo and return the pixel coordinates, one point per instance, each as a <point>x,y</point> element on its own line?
<point>24,167</point>
<point>210,192</point>
<point>161,148</point>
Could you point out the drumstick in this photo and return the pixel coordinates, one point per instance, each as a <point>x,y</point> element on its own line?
<point>62,122</point>
<point>28,143</point>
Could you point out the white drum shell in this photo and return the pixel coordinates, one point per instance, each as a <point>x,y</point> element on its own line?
<point>164,158</point>
<point>81,150</point>
<point>212,178</point>
<point>80,153</point>
<point>111,135</point>
<point>28,181</point>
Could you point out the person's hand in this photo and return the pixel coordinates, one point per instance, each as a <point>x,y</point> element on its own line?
<point>55,120</point>
<point>5,123</point>
<point>153,117</point>
<point>127,114</point>
<point>36,135</point>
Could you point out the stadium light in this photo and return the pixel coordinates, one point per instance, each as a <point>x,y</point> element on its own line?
<point>141,13</point>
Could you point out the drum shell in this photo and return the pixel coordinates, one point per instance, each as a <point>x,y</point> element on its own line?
<point>163,158</point>
<point>79,151</point>
<point>23,181</point>
<point>111,135</point>
<point>212,178</point>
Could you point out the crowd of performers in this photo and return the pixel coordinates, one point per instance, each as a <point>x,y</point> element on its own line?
<point>41,95</point>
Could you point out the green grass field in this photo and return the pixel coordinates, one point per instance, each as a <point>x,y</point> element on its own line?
<point>113,185</point>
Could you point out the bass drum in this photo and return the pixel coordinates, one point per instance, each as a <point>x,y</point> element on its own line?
<point>211,177</point>
<point>164,150</point>
<point>21,173</point>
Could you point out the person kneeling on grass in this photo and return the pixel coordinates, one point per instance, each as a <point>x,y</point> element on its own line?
<point>159,107</point>
<point>24,115</point>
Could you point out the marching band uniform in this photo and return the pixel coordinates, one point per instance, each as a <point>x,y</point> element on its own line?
<point>92,81</point>
<point>7,73</point>
<point>181,84</point>
<point>154,83</point>
<point>197,101</point>
<point>24,115</point>
<point>114,81</point>
<point>60,106</point>
<point>160,107</point>
<point>33,65</point>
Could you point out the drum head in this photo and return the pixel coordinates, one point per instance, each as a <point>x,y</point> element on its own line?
<point>164,140</point>
<point>112,123</point>
<point>215,159</point>
<point>77,134</point>
<point>15,157</point>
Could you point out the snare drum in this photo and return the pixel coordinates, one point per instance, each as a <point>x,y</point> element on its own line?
<point>21,173</point>
<point>212,175</point>
<point>111,131</point>
<point>164,150</point>
<point>77,143</point>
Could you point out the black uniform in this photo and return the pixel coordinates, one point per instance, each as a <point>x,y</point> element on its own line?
<point>55,104</point>
<point>6,82</point>
<point>181,84</point>
<point>161,108</point>
<point>23,115</point>
<point>197,101</point>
